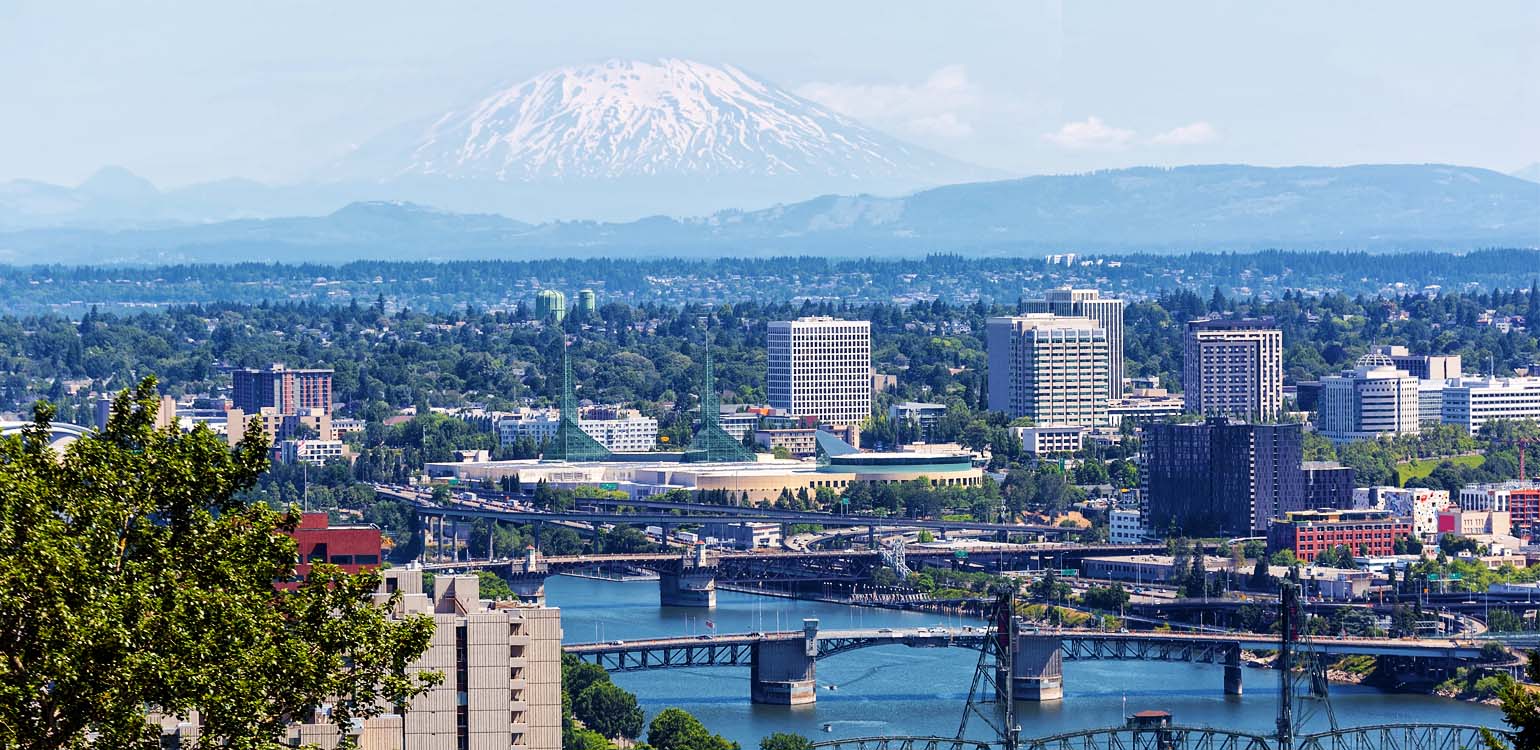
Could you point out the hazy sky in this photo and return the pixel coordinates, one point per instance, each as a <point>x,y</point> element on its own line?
<point>188,91</point>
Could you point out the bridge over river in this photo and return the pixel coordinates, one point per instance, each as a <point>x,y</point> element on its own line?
<point>782,665</point>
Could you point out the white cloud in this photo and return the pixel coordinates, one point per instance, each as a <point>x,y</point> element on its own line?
<point>1090,134</point>
<point>1188,135</point>
<point>942,105</point>
<point>944,125</point>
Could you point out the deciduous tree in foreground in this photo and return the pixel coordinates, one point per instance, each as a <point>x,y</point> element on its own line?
<point>134,578</point>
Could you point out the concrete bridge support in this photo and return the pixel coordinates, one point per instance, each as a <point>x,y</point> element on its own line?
<point>687,588</point>
<point>692,583</point>
<point>1037,669</point>
<point>526,576</point>
<point>784,673</point>
<point>1233,670</point>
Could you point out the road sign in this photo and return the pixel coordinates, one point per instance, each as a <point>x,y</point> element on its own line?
<point>611,486</point>
<point>1068,572</point>
<point>960,554</point>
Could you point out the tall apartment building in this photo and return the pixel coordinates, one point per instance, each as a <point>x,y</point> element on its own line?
<point>501,668</point>
<point>1421,366</point>
<point>1107,312</point>
<point>1219,476</point>
<point>1472,402</point>
<point>289,391</point>
<point>1373,399</point>
<point>1233,368</point>
<point>1048,368</point>
<point>821,367</point>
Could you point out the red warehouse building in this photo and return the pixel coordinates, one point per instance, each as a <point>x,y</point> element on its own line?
<point>1308,532</point>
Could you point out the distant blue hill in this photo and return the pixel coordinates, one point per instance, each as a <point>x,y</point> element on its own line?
<point>1381,208</point>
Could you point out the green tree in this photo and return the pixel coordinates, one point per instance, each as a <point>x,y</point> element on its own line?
<point>1521,710</point>
<point>578,675</point>
<point>1110,598</point>
<point>134,577</point>
<point>676,729</point>
<point>785,741</point>
<point>609,710</point>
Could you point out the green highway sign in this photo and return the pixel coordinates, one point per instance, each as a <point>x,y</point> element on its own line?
<point>1068,572</point>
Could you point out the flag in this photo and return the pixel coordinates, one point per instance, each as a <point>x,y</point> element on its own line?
<point>711,625</point>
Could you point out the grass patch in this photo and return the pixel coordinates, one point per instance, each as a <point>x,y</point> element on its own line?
<point>1423,467</point>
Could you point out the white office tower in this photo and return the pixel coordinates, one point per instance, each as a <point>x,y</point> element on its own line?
<point>1372,399</point>
<point>1049,368</point>
<point>1088,303</point>
<point>821,367</point>
<point>1233,368</point>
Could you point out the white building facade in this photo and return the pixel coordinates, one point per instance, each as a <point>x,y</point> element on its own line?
<point>1048,368</point>
<point>1472,402</point>
<point>821,367</point>
<point>628,432</point>
<point>1371,400</point>
<point>1107,312</point>
<point>1126,526</point>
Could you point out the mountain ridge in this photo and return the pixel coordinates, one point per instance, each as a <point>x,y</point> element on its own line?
<point>1158,209</point>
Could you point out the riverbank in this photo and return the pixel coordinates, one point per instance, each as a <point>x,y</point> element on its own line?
<point>1467,686</point>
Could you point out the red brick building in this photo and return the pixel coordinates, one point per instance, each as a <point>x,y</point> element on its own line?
<point>1307,533</point>
<point>353,548</point>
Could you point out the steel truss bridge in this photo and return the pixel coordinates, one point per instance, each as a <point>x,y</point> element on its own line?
<point>1375,737</point>
<point>736,650</point>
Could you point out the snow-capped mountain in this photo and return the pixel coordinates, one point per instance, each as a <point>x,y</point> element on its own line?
<point>621,120</point>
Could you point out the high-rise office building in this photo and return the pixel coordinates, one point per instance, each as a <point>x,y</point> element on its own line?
<point>821,367</point>
<point>288,391</point>
<point>1050,368</point>
<point>1220,476</point>
<point>550,306</point>
<point>1233,368</point>
<point>1106,311</point>
<point>1372,399</point>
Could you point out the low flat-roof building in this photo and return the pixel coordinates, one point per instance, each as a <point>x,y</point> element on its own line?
<point>1051,440</point>
<point>1146,568</point>
<point>644,475</point>
<point>1307,533</point>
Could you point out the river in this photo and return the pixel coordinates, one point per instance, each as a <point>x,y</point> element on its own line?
<point>900,690</point>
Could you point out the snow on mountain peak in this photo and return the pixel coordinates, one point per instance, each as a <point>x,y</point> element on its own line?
<point>665,118</point>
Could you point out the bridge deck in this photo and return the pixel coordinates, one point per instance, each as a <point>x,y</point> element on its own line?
<point>939,636</point>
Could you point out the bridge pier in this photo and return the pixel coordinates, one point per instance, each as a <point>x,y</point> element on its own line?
<point>1037,669</point>
<point>1233,670</point>
<point>784,673</point>
<point>693,583</point>
<point>526,577</point>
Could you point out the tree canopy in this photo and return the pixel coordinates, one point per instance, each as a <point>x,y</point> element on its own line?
<point>133,578</point>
